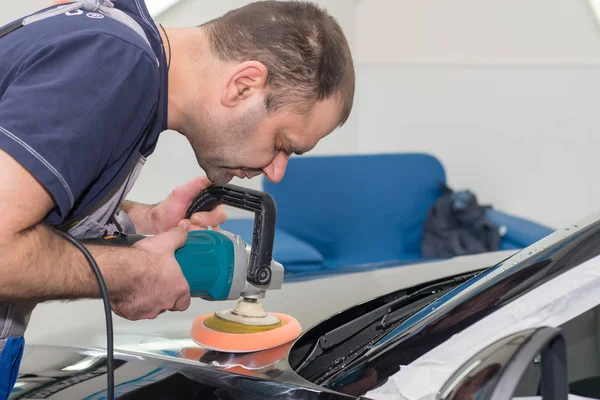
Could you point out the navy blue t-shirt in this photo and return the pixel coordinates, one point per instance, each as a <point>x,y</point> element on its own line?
<point>81,96</point>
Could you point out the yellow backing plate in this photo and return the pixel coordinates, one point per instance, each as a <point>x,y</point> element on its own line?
<point>222,325</point>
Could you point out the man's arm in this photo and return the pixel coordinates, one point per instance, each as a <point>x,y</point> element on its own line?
<point>142,216</point>
<point>36,264</point>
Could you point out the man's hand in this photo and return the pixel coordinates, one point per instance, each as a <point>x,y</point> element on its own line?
<point>151,220</point>
<point>171,211</point>
<point>161,285</point>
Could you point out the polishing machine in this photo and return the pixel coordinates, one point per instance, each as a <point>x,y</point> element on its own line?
<point>220,265</point>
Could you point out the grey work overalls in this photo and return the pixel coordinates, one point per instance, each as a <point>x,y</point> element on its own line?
<point>107,218</point>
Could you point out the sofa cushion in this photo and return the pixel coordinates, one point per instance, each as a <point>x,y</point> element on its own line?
<point>293,253</point>
<point>364,208</point>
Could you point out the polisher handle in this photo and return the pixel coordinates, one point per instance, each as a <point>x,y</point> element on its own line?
<point>264,208</point>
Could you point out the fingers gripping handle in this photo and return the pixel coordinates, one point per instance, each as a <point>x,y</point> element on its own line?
<point>264,208</point>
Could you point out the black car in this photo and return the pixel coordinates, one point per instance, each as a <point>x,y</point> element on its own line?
<point>489,326</point>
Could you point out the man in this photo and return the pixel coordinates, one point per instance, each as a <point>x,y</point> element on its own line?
<point>83,99</point>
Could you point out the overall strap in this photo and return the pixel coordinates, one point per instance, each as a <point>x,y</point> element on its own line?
<point>105,7</point>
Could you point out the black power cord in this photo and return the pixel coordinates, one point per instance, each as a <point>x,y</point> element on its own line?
<point>110,377</point>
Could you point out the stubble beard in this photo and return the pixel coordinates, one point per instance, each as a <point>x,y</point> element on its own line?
<point>217,143</point>
<point>212,166</point>
<point>211,141</point>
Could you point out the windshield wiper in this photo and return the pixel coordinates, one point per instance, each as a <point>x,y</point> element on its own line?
<point>339,346</point>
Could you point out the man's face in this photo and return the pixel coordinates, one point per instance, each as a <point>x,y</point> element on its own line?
<point>244,141</point>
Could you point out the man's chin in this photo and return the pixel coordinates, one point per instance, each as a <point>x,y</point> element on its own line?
<point>219,177</point>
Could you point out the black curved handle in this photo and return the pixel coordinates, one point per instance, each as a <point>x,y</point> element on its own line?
<point>264,208</point>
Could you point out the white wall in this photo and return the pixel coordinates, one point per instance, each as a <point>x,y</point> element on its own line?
<point>503,92</point>
<point>476,31</point>
<point>524,139</point>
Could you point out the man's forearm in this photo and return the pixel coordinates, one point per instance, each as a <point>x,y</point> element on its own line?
<point>142,216</point>
<point>39,265</point>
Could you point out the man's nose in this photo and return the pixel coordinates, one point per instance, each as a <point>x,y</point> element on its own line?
<point>276,170</point>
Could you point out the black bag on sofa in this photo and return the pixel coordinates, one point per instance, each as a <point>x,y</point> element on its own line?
<point>456,225</point>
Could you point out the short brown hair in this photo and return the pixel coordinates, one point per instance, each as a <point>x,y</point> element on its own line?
<point>303,47</point>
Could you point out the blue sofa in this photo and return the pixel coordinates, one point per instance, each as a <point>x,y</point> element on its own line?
<point>347,213</point>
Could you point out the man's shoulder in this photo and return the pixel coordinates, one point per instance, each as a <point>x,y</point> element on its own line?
<point>76,29</point>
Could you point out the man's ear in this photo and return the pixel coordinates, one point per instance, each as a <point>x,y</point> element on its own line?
<point>244,80</point>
